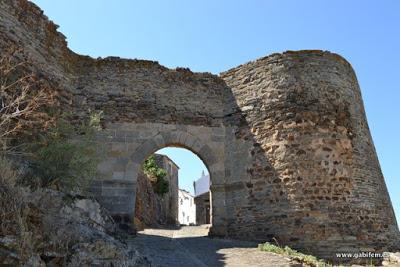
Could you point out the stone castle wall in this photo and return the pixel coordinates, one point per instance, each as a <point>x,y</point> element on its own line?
<point>152,210</point>
<point>285,137</point>
<point>313,170</point>
<point>169,201</point>
<point>146,206</point>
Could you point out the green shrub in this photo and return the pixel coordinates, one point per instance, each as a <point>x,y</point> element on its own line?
<point>293,254</point>
<point>157,174</point>
<point>67,156</point>
<point>161,187</point>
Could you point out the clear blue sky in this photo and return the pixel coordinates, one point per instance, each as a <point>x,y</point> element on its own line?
<point>215,35</point>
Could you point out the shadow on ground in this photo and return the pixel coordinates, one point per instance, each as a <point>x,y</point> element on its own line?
<point>189,246</point>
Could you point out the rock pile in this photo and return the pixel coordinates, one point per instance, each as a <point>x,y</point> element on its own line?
<point>67,230</point>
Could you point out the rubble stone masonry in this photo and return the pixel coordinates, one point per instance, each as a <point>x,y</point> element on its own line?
<point>152,209</point>
<point>285,137</point>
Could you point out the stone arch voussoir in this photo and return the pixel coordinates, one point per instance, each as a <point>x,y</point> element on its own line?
<point>176,138</point>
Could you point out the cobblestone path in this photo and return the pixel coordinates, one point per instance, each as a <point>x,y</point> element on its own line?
<point>190,247</point>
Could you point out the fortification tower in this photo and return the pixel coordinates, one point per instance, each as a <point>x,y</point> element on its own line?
<point>314,180</point>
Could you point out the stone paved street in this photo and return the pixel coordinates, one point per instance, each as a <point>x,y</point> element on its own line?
<point>190,246</point>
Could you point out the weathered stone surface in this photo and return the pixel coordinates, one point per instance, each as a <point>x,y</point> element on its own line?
<point>8,254</point>
<point>313,168</point>
<point>66,230</point>
<point>152,209</point>
<point>285,137</point>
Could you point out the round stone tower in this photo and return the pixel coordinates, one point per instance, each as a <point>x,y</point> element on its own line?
<point>314,180</point>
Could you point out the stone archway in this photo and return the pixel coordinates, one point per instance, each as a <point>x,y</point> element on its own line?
<point>175,138</point>
<point>183,139</point>
<point>283,152</point>
<point>130,144</point>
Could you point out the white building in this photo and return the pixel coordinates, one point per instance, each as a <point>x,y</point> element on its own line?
<point>202,184</point>
<point>187,208</point>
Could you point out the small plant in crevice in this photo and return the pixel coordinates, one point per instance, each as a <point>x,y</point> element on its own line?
<point>156,175</point>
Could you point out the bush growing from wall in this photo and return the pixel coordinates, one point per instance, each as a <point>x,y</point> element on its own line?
<point>156,175</point>
<point>60,154</point>
<point>67,156</point>
<point>24,99</point>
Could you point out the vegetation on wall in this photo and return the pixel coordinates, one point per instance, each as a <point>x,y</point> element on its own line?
<point>42,147</point>
<point>39,147</point>
<point>156,175</point>
<point>67,155</point>
<point>24,100</point>
<point>308,260</point>
<point>32,130</point>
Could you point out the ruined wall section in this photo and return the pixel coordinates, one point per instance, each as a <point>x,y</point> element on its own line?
<point>314,180</point>
<point>146,205</point>
<point>286,142</point>
<point>160,105</point>
<point>24,26</point>
<point>151,209</point>
<point>169,201</point>
<point>140,91</point>
<point>126,90</point>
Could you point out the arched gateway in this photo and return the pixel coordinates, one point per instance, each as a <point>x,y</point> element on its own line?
<point>286,142</point>
<point>285,137</point>
<point>208,146</point>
